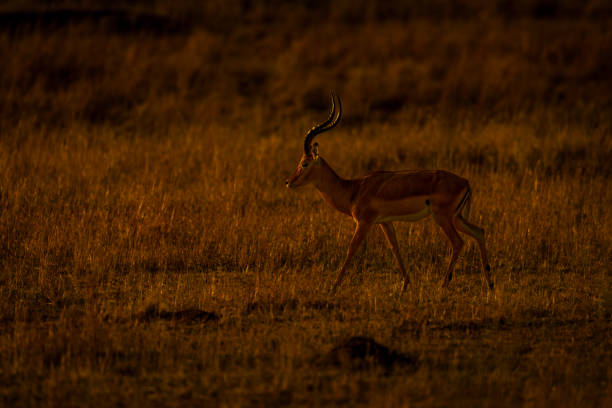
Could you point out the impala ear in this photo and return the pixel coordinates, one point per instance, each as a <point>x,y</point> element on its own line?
<point>315,150</point>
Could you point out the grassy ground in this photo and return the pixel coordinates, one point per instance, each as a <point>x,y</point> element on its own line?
<point>150,253</point>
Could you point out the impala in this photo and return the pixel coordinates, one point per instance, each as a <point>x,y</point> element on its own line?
<point>382,197</point>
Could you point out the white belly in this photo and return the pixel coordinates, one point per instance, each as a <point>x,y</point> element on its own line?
<point>419,215</point>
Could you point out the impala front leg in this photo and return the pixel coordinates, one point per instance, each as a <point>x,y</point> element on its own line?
<point>456,242</point>
<point>360,233</point>
<point>389,232</point>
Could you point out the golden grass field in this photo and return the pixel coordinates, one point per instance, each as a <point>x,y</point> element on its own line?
<point>151,254</point>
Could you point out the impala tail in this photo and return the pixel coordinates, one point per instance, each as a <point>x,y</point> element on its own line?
<point>464,205</point>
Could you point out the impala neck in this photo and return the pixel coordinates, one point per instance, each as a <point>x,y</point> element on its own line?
<point>335,190</point>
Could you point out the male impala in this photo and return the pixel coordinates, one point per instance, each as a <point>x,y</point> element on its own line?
<point>386,196</point>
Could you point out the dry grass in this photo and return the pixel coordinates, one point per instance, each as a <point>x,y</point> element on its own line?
<point>149,252</point>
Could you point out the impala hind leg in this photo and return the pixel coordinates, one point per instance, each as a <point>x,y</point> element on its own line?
<point>389,231</point>
<point>456,242</point>
<point>478,234</point>
<point>360,233</point>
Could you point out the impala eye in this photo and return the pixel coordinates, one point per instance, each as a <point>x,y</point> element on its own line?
<point>305,164</point>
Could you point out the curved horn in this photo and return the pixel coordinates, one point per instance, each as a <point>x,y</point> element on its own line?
<point>325,126</point>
